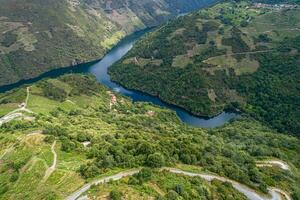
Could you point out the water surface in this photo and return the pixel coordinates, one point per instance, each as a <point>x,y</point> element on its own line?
<point>99,70</point>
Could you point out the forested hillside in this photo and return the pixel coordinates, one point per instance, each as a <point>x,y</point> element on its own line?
<point>234,56</point>
<point>96,133</point>
<point>39,35</point>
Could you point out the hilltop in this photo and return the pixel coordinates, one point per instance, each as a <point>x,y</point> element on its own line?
<point>78,131</point>
<point>232,56</point>
<point>40,35</point>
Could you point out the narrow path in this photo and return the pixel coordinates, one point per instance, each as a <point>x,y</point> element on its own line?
<point>70,101</point>
<point>242,53</point>
<point>17,112</point>
<point>250,52</point>
<point>27,96</point>
<point>274,193</point>
<point>51,169</point>
<point>273,163</point>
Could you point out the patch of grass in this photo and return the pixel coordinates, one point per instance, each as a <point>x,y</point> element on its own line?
<point>41,104</point>
<point>6,108</point>
<point>181,61</point>
<point>240,67</point>
<point>143,61</point>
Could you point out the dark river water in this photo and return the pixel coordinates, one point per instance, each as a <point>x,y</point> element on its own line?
<point>100,68</point>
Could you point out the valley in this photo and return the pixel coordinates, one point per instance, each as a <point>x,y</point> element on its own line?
<point>201,107</point>
<point>77,32</point>
<point>227,57</point>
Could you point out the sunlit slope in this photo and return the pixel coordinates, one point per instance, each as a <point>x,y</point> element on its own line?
<point>230,56</point>
<point>39,35</point>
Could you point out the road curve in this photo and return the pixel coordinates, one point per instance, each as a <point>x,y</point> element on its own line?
<point>17,112</point>
<point>87,186</point>
<point>275,194</point>
<point>9,117</point>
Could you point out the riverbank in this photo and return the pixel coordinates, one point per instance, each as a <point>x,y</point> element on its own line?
<point>100,70</point>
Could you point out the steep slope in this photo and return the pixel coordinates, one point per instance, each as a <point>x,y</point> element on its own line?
<point>39,35</point>
<point>75,132</point>
<point>231,56</point>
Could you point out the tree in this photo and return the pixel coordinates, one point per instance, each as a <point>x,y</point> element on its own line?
<point>67,145</point>
<point>83,137</point>
<point>296,193</point>
<point>89,170</point>
<point>263,187</point>
<point>179,189</point>
<point>155,160</point>
<point>49,139</point>
<point>107,162</point>
<point>144,175</point>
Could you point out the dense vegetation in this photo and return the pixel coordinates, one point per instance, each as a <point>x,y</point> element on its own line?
<point>130,135</point>
<point>274,92</point>
<point>39,35</point>
<point>166,186</point>
<point>230,56</point>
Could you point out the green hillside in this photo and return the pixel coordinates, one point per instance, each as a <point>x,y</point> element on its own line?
<point>231,56</point>
<point>39,35</point>
<point>165,186</point>
<point>75,118</point>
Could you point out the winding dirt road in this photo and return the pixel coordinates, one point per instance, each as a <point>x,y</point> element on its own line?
<point>274,193</point>
<point>17,112</point>
<point>51,169</point>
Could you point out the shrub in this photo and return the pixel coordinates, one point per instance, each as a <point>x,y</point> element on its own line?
<point>67,145</point>
<point>89,170</point>
<point>3,188</point>
<point>14,177</point>
<point>115,195</point>
<point>133,181</point>
<point>49,139</point>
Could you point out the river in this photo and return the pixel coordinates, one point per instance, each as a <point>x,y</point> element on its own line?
<point>99,70</point>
